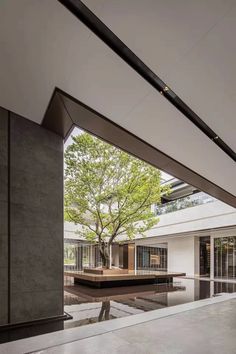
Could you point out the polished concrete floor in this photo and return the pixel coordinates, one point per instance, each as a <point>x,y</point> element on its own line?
<point>201,327</point>
<point>210,329</point>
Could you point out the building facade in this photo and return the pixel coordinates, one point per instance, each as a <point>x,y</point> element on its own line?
<point>196,234</point>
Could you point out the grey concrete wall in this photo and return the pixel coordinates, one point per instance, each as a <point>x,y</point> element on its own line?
<point>32,205</point>
<point>36,180</point>
<point>3,216</point>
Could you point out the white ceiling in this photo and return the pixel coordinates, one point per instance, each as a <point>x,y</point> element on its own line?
<point>190,44</point>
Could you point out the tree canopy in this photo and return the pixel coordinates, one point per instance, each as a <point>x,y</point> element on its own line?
<point>109,192</point>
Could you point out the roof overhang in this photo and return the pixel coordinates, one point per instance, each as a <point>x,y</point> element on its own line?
<point>64,112</point>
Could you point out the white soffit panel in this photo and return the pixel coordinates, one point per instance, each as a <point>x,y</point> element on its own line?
<point>159,123</point>
<point>190,45</point>
<point>44,46</point>
<point>206,78</point>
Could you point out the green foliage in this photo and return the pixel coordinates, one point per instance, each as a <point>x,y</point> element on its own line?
<point>108,191</point>
<point>69,254</point>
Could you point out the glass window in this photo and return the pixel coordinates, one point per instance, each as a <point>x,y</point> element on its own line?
<point>225,257</point>
<point>69,254</point>
<point>151,258</point>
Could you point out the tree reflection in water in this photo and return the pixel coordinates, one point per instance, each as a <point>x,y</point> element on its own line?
<point>104,314</point>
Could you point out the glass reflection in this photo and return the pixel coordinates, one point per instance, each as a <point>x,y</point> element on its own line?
<point>225,257</point>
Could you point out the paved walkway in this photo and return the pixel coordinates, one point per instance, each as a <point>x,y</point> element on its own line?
<point>210,329</point>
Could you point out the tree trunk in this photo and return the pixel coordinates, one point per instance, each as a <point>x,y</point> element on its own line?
<point>105,311</point>
<point>105,255</point>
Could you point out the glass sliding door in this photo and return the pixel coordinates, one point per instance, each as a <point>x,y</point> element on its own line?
<point>225,257</point>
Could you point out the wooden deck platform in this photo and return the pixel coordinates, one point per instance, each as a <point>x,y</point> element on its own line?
<point>130,278</point>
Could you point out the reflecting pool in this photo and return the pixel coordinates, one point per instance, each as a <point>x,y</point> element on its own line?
<point>88,305</point>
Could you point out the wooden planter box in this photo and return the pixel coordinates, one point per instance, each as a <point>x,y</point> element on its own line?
<point>104,271</point>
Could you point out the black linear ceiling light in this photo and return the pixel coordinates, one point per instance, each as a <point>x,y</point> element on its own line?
<point>86,16</point>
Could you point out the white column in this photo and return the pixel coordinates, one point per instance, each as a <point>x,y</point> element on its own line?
<point>135,258</point>
<point>211,288</point>
<point>90,256</point>
<point>110,256</point>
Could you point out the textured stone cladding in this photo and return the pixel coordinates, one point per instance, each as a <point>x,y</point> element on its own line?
<point>3,216</point>
<point>36,221</point>
<point>32,206</point>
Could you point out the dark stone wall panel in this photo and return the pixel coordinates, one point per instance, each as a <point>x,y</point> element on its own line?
<point>3,181</point>
<point>3,307</point>
<point>37,305</point>
<point>3,139</point>
<point>36,221</point>
<point>27,220</point>
<point>3,216</point>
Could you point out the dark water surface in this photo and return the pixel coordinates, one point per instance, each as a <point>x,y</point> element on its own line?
<point>87,305</point>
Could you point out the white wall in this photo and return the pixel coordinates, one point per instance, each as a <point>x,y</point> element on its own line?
<point>183,252</point>
<point>181,255</point>
<point>200,217</point>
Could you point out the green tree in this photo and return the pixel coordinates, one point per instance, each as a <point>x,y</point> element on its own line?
<point>109,192</point>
